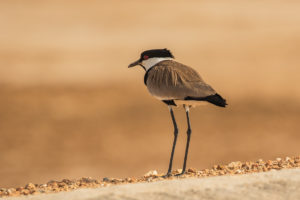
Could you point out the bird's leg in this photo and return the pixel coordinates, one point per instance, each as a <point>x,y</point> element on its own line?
<point>174,142</point>
<point>189,131</point>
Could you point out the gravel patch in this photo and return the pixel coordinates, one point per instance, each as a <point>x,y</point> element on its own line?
<point>232,168</point>
<point>275,185</point>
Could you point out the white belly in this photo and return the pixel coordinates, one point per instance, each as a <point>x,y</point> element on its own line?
<point>183,102</point>
<point>190,103</point>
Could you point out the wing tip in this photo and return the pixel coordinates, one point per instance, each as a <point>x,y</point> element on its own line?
<point>215,99</point>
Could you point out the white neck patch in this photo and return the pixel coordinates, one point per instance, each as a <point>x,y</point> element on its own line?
<point>153,61</point>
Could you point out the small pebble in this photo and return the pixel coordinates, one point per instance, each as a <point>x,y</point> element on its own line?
<point>30,186</point>
<point>105,179</point>
<point>151,173</point>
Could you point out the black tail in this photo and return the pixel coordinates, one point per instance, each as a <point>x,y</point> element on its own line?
<point>215,99</point>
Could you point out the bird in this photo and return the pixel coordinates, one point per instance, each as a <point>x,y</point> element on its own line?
<point>175,84</point>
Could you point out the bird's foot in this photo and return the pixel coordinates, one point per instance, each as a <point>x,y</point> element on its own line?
<point>169,174</point>
<point>180,174</point>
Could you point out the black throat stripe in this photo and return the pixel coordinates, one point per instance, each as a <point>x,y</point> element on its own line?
<point>146,75</point>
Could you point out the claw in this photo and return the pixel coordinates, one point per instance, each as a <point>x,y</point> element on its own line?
<point>169,174</point>
<point>180,174</point>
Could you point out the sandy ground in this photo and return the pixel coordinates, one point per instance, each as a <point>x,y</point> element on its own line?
<point>275,185</point>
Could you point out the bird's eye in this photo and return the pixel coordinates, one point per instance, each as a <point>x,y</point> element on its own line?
<point>145,57</point>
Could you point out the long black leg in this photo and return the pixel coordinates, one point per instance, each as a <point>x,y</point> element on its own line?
<point>189,132</point>
<point>174,142</point>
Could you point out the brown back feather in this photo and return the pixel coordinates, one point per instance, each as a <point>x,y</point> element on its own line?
<point>172,80</point>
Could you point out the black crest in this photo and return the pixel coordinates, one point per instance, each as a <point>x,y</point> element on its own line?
<point>157,53</point>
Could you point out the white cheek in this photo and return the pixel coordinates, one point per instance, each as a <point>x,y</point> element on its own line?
<point>153,61</point>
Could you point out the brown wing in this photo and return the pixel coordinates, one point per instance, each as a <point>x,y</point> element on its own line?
<point>172,80</point>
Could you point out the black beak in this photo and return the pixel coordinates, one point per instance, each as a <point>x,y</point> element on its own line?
<point>134,63</point>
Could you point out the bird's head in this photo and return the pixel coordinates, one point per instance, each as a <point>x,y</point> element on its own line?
<point>152,56</point>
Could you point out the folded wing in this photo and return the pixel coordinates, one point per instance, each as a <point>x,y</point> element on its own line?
<point>170,80</point>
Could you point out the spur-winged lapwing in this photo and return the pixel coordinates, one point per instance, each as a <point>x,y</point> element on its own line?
<point>175,84</point>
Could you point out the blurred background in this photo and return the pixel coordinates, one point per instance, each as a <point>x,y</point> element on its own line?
<point>70,107</point>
